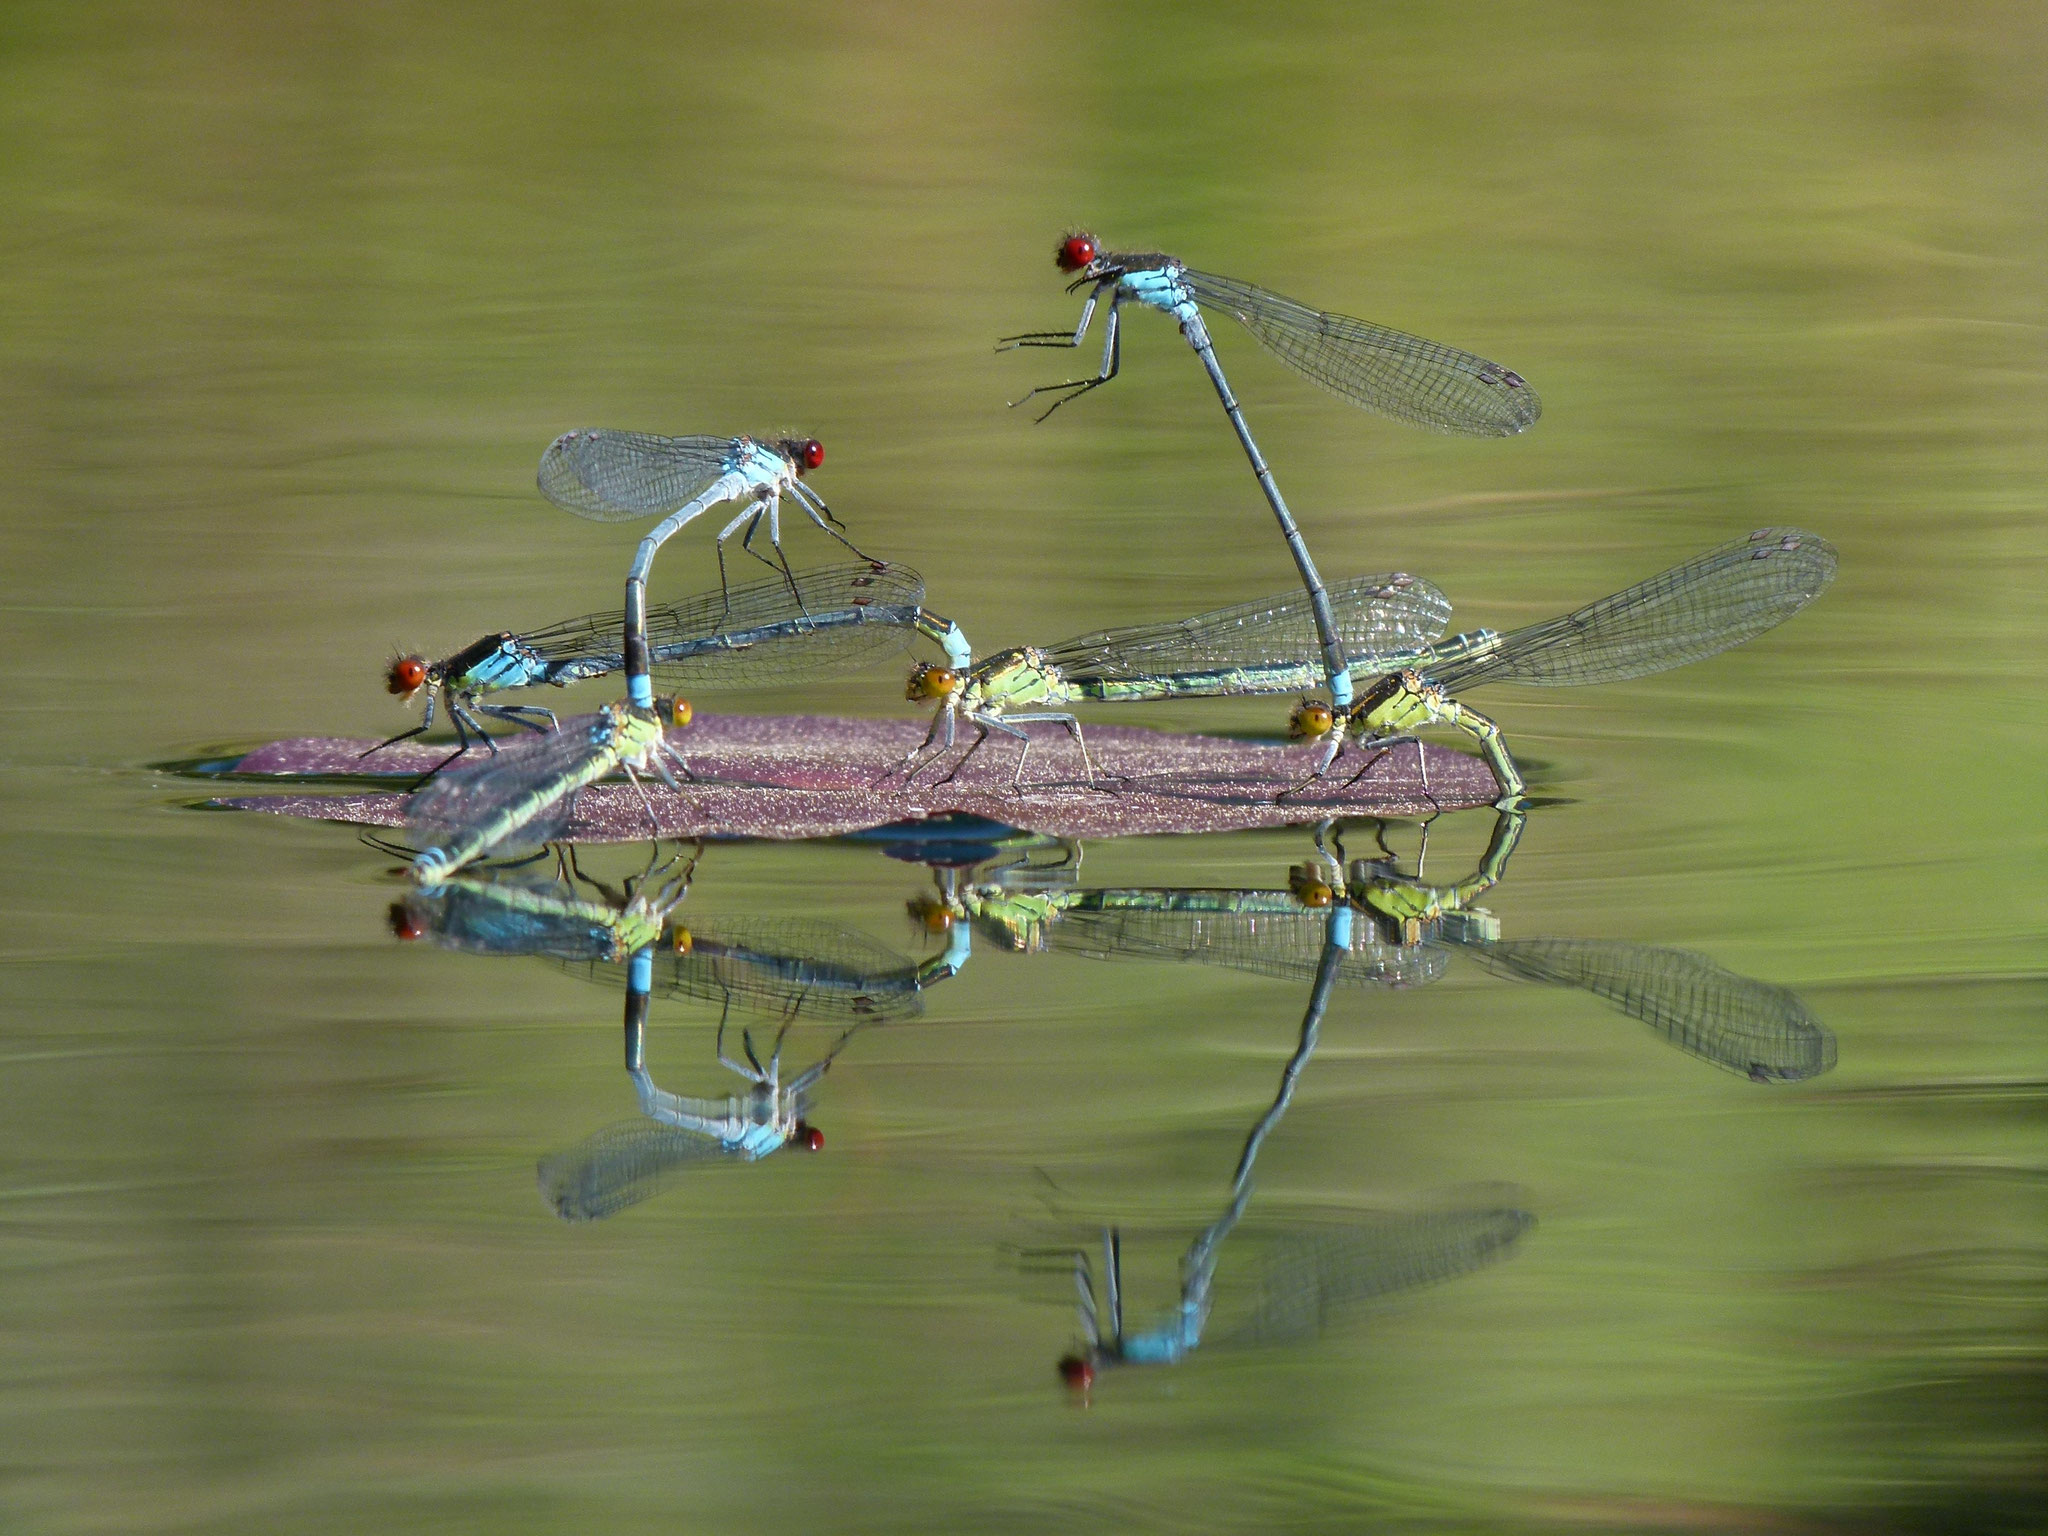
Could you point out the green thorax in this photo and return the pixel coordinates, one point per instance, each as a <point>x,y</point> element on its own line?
<point>1013,678</point>
<point>1015,919</point>
<point>1400,702</point>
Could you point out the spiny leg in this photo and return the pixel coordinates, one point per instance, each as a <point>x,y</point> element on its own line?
<point>981,729</point>
<point>516,714</point>
<point>753,511</point>
<point>726,1061</point>
<point>1385,744</point>
<point>646,804</point>
<point>924,753</point>
<point>1058,338</point>
<point>1112,360</point>
<point>426,723</point>
<point>822,515</point>
<point>1339,740</point>
<point>1073,729</point>
<point>464,723</point>
<point>780,564</point>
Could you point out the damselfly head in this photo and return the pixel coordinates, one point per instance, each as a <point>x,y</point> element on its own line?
<point>407,675</point>
<point>675,712</point>
<point>1311,718</point>
<point>930,681</point>
<point>1309,887</point>
<point>1076,250</point>
<point>806,453</point>
<point>807,1137</point>
<point>404,924</point>
<point>1077,1371</point>
<point>679,939</point>
<point>931,914</point>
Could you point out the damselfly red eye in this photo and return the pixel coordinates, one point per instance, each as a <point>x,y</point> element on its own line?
<point>808,1137</point>
<point>407,674</point>
<point>403,924</point>
<point>1075,252</point>
<point>810,453</point>
<point>1077,1372</point>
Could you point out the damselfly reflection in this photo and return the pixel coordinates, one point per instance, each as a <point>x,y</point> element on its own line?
<point>1309,1277</point>
<point>1395,930</point>
<point>624,1164</point>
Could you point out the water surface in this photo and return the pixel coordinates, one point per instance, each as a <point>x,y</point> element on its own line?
<point>294,299</point>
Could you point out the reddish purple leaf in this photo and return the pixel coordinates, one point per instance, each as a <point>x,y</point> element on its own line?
<point>791,776</point>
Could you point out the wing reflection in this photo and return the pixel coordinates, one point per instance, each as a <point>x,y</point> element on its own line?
<point>1394,931</point>
<point>1310,1278</point>
<point>790,970</point>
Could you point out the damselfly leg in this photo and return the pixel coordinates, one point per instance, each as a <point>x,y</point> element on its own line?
<point>1112,351</point>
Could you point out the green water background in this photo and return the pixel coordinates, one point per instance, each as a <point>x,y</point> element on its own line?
<point>293,296</point>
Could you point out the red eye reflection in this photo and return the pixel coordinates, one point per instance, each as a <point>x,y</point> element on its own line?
<point>810,453</point>
<point>406,674</point>
<point>808,1137</point>
<point>1075,252</point>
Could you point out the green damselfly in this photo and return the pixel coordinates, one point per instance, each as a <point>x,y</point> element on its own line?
<point>1692,611</point>
<point>1379,927</point>
<point>1269,646</point>
<point>527,792</point>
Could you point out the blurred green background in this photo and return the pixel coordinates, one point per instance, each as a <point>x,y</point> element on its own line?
<point>294,296</point>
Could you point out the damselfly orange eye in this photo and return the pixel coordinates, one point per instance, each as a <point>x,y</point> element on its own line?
<point>1311,717</point>
<point>406,675</point>
<point>1075,252</point>
<point>930,915</point>
<point>1309,887</point>
<point>931,682</point>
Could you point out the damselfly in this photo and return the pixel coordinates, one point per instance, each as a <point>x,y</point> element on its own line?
<point>1251,648</point>
<point>527,792</point>
<point>1308,1275</point>
<point>508,914</point>
<point>1397,375</point>
<point>768,633</point>
<point>792,968</point>
<point>1690,612</point>
<point>1738,1023</point>
<point>622,1165</point>
<point>785,968</point>
<point>1388,929</point>
<point>611,476</point>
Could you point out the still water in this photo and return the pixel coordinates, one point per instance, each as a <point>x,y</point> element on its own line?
<point>294,297</point>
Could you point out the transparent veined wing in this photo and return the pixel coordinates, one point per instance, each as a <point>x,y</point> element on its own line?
<point>1736,1022</point>
<point>761,634</point>
<point>1692,611</point>
<point>781,967</point>
<point>1393,616</point>
<point>1389,372</point>
<point>1285,944</point>
<point>620,1166</point>
<point>535,774</point>
<point>612,477</point>
<point>1312,1277</point>
<point>846,616</point>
